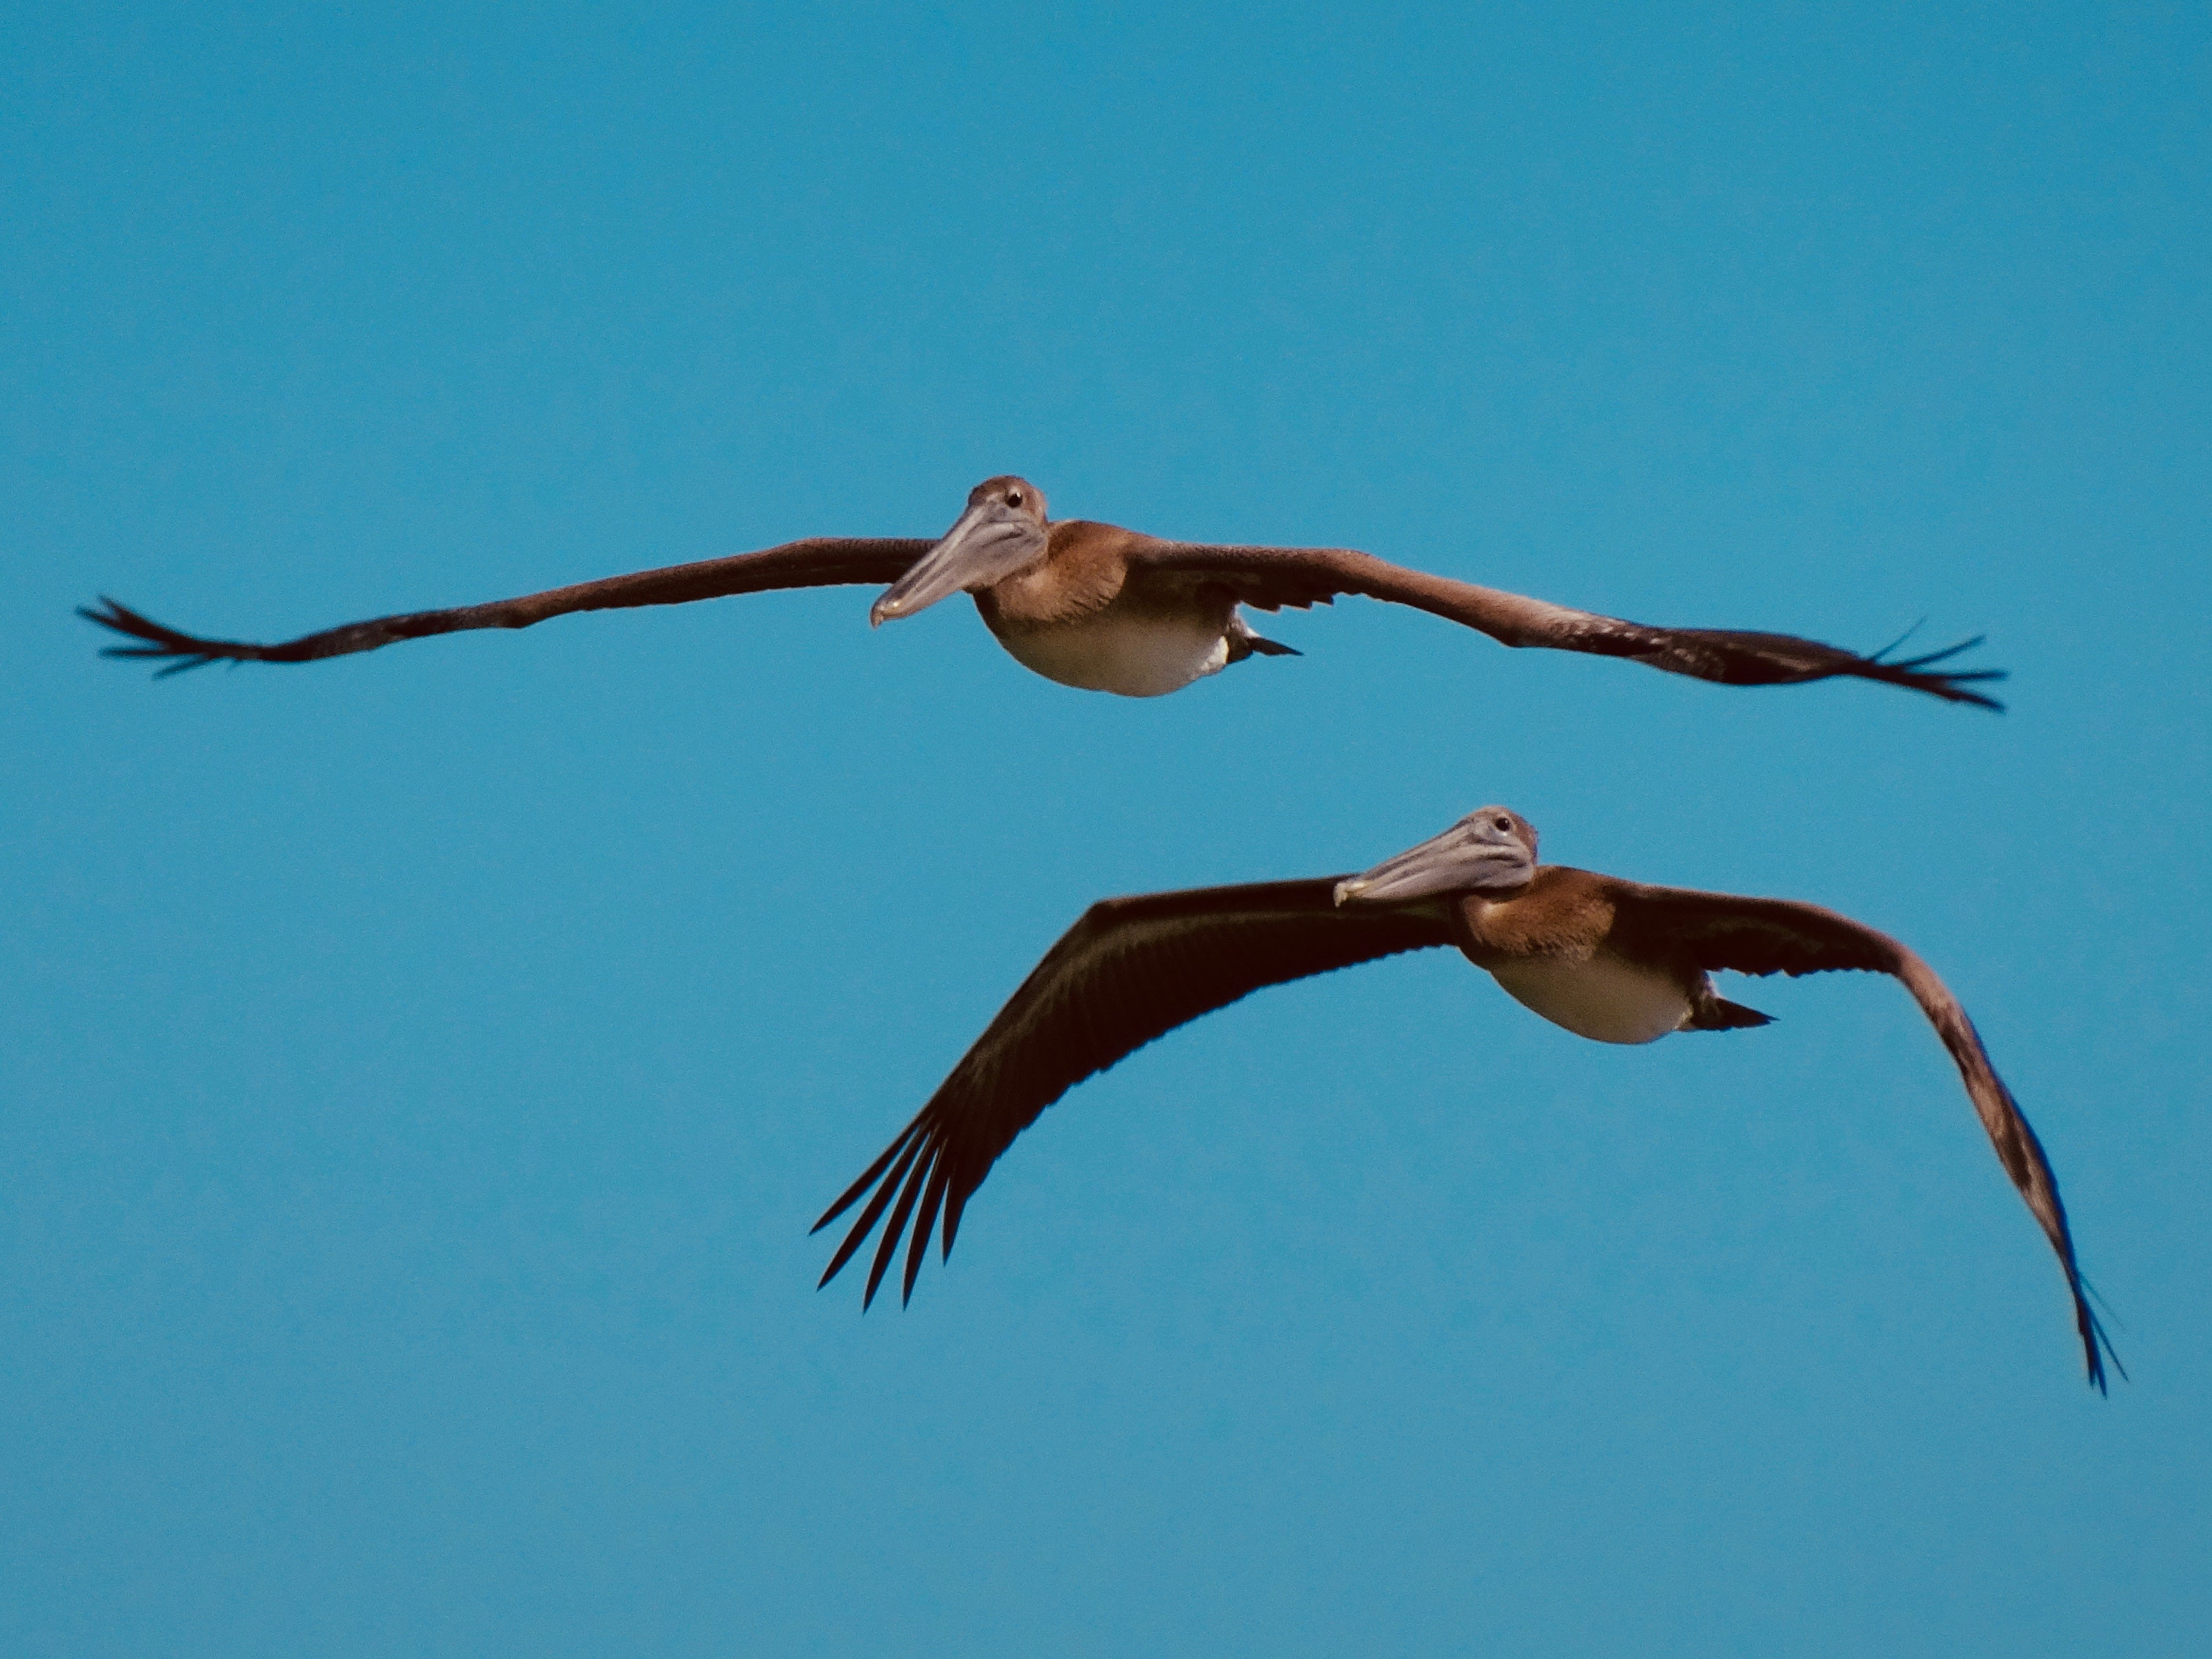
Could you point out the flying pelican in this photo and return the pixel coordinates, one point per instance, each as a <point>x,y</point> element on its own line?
<point>1612,960</point>
<point>1101,608</point>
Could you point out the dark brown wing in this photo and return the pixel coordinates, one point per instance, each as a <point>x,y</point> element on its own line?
<point>1130,970</point>
<point>1273,577</point>
<point>823,561</point>
<point>1777,936</point>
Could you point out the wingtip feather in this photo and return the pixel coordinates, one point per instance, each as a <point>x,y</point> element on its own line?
<point>867,1180</point>
<point>865,1223</point>
<point>2096,1344</point>
<point>1921,674</point>
<point>894,1228</point>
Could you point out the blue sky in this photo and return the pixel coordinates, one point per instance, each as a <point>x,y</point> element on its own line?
<point>423,1068</point>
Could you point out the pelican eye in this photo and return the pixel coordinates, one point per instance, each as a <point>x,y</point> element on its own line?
<point>1504,823</point>
<point>1013,498</point>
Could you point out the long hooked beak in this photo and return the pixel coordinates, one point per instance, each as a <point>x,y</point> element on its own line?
<point>989,541</point>
<point>1467,858</point>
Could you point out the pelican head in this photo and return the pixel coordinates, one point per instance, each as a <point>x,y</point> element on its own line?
<point>1492,850</point>
<point>1002,530</point>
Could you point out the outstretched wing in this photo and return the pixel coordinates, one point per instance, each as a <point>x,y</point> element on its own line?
<point>1777,936</point>
<point>821,561</point>
<point>1130,970</point>
<point>1273,577</point>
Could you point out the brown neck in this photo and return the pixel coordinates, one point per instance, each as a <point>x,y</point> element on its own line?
<point>1562,912</point>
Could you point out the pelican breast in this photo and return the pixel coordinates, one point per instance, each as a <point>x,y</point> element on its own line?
<point>1600,996</point>
<point>1137,651</point>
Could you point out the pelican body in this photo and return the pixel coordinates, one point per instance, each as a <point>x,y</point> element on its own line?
<point>1090,605</point>
<point>1142,642</point>
<point>1613,960</point>
<point>1101,608</point>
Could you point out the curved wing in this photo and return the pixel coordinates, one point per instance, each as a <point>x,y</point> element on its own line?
<point>1779,936</point>
<point>821,561</point>
<point>1130,970</point>
<point>1273,577</point>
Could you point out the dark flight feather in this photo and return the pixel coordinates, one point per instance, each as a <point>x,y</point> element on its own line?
<point>1130,970</point>
<point>1272,578</point>
<point>819,562</point>
<point>1718,931</point>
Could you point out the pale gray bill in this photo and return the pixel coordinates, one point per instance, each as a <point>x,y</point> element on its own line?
<point>989,541</point>
<point>1483,853</point>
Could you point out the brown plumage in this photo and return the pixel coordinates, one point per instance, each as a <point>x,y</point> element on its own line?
<point>1614,960</point>
<point>1102,608</point>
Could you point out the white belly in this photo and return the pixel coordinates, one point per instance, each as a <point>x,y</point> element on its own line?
<point>1136,653</point>
<point>1603,997</point>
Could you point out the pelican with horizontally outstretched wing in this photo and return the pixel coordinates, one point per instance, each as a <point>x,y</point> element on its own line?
<point>1101,608</point>
<point>1613,960</point>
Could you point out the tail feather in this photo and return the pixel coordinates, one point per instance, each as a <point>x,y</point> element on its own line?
<point>1719,1014</point>
<point>1243,642</point>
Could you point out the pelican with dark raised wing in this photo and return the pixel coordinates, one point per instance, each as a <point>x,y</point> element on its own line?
<point>1103,608</point>
<point>1613,960</point>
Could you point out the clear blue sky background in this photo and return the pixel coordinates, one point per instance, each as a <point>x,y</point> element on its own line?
<point>421,1070</point>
